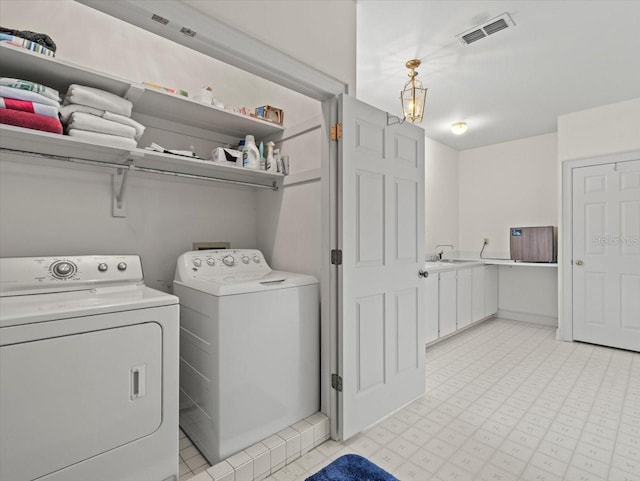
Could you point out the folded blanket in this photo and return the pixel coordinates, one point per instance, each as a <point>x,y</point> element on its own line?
<point>33,107</point>
<point>11,93</point>
<point>32,86</point>
<point>30,121</point>
<point>93,123</point>
<point>39,38</point>
<point>104,139</point>
<point>98,99</point>
<point>67,110</point>
<point>28,44</point>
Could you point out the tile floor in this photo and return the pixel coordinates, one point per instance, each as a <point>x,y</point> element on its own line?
<point>505,401</point>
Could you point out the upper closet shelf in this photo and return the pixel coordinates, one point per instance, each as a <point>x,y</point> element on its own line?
<point>59,74</point>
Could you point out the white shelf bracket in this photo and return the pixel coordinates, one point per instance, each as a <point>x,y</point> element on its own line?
<point>118,185</point>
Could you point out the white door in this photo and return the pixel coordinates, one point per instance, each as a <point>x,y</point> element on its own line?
<point>431,308</point>
<point>447,303</point>
<point>477,293</point>
<point>463,292</point>
<point>606,254</point>
<point>381,226</point>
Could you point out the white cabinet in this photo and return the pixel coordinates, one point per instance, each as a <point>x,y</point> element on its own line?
<point>447,305</point>
<point>431,312</point>
<point>459,297</point>
<point>478,279</point>
<point>463,300</point>
<point>490,290</point>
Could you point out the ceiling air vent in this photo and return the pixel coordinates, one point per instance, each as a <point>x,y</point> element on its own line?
<point>487,28</point>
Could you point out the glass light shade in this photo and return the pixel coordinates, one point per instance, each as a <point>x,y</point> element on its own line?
<point>459,128</point>
<point>413,98</point>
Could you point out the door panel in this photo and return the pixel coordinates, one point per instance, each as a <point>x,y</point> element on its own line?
<point>381,234</point>
<point>69,398</point>
<point>447,303</point>
<point>463,314</point>
<point>606,254</point>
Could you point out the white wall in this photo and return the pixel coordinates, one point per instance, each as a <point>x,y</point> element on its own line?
<point>320,33</point>
<point>599,131</point>
<point>512,184</point>
<point>441,196</point>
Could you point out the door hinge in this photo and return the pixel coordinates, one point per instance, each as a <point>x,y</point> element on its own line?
<point>336,256</point>
<point>336,382</point>
<point>336,132</point>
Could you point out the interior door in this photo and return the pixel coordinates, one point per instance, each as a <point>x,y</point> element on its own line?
<point>380,232</point>
<point>606,254</point>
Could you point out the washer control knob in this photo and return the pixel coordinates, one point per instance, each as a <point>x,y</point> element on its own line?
<point>228,260</point>
<point>256,259</point>
<point>102,267</point>
<point>211,262</point>
<point>63,269</point>
<point>197,262</point>
<point>122,266</point>
<point>245,259</point>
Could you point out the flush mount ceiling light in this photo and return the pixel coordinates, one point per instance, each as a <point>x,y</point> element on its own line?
<point>413,96</point>
<point>459,128</point>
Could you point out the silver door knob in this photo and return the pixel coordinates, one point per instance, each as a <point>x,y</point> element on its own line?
<point>579,262</point>
<point>422,273</point>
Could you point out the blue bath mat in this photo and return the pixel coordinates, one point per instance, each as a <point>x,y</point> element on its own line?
<point>352,467</point>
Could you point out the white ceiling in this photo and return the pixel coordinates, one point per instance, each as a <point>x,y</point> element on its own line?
<point>561,57</point>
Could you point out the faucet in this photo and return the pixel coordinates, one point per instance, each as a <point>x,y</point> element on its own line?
<point>439,254</point>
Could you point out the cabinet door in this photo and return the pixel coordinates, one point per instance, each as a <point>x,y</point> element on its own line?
<point>477,293</point>
<point>490,290</point>
<point>447,302</point>
<point>431,310</point>
<point>464,297</point>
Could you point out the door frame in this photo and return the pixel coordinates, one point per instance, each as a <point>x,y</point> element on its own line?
<point>565,235</point>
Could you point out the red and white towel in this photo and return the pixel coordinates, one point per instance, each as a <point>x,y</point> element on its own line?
<point>26,106</point>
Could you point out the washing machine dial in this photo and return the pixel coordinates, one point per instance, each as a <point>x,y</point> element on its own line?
<point>122,266</point>
<point>197,262</point>
<point>211,262</point>
<point>245,259</point>
<point>228,260</point>
<point>256,259</point>
<point>103,267</point>
<point>63,269</point>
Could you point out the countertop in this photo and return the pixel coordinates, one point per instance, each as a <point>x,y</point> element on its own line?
<point>453,264</point>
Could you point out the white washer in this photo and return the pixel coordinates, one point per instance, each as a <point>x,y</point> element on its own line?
<point>88,371</point>
<point>249,349</point>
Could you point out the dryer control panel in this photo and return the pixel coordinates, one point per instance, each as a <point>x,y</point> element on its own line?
<point>24,275</point>
<point>222,262</point>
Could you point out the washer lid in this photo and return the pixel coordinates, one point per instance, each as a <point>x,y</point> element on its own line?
<point>28,309</point>
<point>243,283</point>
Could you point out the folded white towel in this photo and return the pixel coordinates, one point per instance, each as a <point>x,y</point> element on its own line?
<point>103,139</point>
<point>99,99</point>
<point>67,110</point>
<point>85,121</point>
<point>17,83</point>
<point>12,93</point>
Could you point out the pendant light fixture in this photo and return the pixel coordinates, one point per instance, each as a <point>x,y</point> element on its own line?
<point>414,95</point>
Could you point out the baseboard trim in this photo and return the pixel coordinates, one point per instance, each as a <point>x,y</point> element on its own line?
<point>528,317</point>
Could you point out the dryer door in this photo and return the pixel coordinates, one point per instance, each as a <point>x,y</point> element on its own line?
<point>69,398</point>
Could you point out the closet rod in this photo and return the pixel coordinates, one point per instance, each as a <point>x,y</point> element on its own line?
<point>76,160</point>
<point>127,165</point>
<point>273,186</point>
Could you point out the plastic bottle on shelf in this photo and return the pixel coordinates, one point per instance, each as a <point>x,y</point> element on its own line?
<point>272,166</point>
<point>250,153</point>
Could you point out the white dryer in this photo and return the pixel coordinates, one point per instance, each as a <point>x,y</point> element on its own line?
<point>249,349</point>
<point>88,371</point>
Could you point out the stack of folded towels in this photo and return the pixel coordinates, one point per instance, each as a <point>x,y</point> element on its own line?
<point>30,105</point>
<point>94,115</point>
